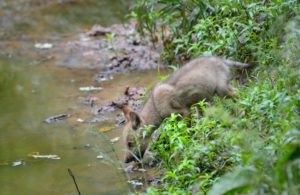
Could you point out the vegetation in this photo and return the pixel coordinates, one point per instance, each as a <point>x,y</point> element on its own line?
<point>246,145</point>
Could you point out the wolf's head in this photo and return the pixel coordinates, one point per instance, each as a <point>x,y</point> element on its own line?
<point>133,133</point>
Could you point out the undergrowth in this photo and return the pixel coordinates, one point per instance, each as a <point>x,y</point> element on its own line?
<point>244,145</point>
<point>245,30</point>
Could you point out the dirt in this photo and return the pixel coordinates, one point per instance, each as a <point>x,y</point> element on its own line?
<point>115,49</point>
<point>133,96</point>
<point>110,50</point>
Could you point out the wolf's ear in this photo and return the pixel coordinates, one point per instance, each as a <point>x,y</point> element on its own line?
<point>135,120</point>
<point>126,110</point>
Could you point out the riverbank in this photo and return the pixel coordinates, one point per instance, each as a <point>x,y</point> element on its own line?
<point>243,145</point>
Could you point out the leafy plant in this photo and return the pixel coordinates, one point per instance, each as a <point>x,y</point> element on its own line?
<point>238,29</point>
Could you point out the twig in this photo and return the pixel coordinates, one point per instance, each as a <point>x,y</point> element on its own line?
<point>73,177</point>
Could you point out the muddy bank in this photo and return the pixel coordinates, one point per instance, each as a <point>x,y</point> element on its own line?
<point>133,96</point>
<point>110,51</point>
<point>114,49</point>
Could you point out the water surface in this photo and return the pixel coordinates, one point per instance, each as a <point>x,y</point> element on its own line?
<point>33,88</point>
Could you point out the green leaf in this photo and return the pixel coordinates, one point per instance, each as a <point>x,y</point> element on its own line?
<point>237,181</point>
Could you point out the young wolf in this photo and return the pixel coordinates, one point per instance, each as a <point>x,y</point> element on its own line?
<point>199,79</point>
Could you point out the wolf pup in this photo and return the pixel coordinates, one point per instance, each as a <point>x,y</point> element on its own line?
<point>199,79</point>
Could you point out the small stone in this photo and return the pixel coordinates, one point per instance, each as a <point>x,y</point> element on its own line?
<point>80,120</point>
<point>18,163</point>
<point>114,140</point>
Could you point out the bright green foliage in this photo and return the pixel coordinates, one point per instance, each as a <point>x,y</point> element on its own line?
<point>221,27</point>
<point>244,145</point>
<point>199,150</point>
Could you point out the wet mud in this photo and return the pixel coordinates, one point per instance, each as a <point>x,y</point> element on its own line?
<point>115,49</point>
<point>118,49</point>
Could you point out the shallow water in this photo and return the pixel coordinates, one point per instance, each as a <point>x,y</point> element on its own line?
<point>21,19</point>
<point>33,88</point>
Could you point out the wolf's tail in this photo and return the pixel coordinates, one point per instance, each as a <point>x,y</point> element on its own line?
<point>236,64</point>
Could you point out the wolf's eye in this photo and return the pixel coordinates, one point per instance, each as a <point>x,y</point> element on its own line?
<point>130,144</point>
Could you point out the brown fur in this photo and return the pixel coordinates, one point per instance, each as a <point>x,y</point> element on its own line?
<point>200,79</point>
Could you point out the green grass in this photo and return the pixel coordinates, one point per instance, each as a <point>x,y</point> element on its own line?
<point>246,145</point>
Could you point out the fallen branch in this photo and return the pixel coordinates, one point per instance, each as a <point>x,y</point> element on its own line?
<point>73,177</point>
